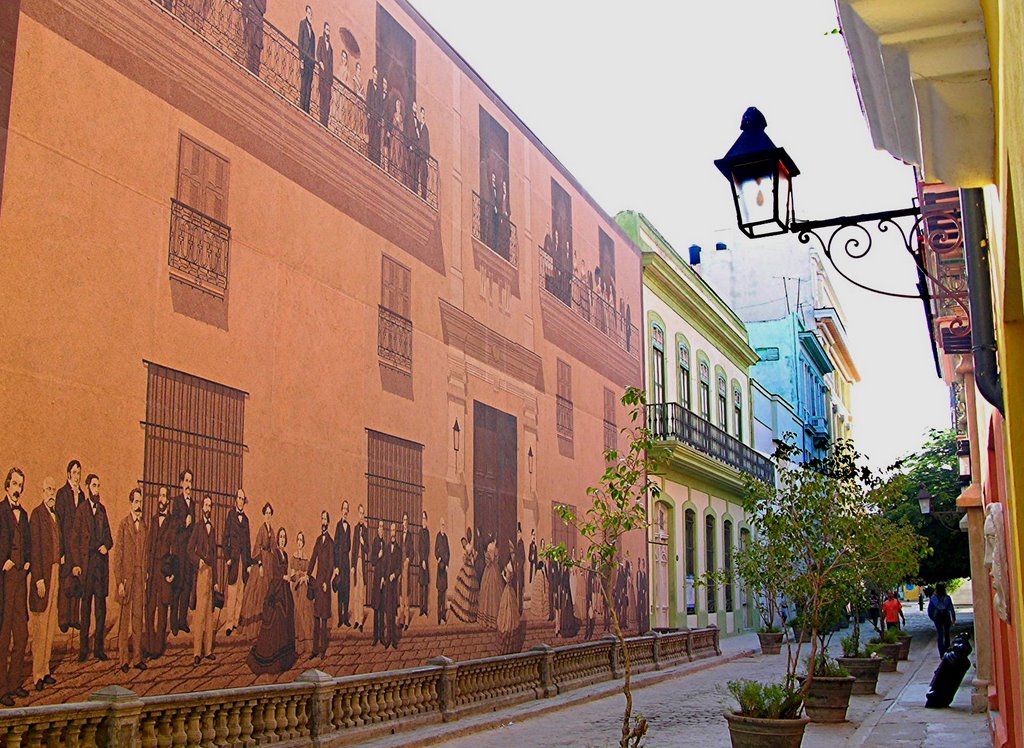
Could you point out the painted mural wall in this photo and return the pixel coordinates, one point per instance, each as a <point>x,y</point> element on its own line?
<point>307,335</point>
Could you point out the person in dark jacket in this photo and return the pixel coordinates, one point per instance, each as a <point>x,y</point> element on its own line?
<point>943,614</point>
<point>202,550</point>
<point>15,564</point>
<point>163,576</point>
<point>185,512</point>
<point>44,585</point>
<point>443,554</point>
<point>69,496</point>
<point>342,565</point>
<point>307,56</point>
<point>423,555</point>
<point>90,554</point>
<point>320,571</point>
<point>237,560</point>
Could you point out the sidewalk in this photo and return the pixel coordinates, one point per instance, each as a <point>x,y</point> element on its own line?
<point>684,706</point>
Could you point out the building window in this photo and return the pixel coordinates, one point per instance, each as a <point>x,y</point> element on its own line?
<point>611,431</point>
<point>709,561</point>
<point>684,376</point>
<point>563,416</point>
<point>691,559</point>
<point>394,478</point>
<point>394,326</point>
<point>737,412</point>
<point>705,391</point>
<point>727,557</point>
<point>657,364</point>
<point>723,404</point>
<point>200,237</point>
<point>561,531</point>
<point>194,424</point>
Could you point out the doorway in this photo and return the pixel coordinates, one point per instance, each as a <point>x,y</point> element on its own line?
<point>495,479</point>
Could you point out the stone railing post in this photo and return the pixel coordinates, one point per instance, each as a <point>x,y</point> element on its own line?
<point>446,692</point>
<point>689,645</point>
<point>124,708</point>
<point>547,669</point>
<point>716,640</point>
<point>321,706</point>
<point>656,648</point>
<point>614,660</point>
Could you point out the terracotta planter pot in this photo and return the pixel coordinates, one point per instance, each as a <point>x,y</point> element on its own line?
<point>890,653</point>
<point>905,647</point>
<point>865,670</point>
<point>828,698</point>
<point>751,732</point>
<point>771,643</point>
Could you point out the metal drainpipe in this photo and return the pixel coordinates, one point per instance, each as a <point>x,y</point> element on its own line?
<point>979,291</point>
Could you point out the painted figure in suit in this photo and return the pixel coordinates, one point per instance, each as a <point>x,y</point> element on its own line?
<point>252,32</point>
<point>42,597</point>
<point>90,553</point>
<point>325,64</point>
<point>307,55</point>
<point>533,553</point>
<point>238,559</point>
<point>392,586</point>
<point>443,555</point>
<point>130,578</point>
<point>421,142</point>
<point>202,549</point>
<point>69,496</point>
<point>360,593</point>
<point>378,578</point>
<point>408,548</point>
<point>321,568</point>
<point>185,512</point>
<point>520,565</point>
<point>163,572</point>
<point>423,555</point>
<point>374,107</point>
<point>342,565</point>
<point>16,560</point>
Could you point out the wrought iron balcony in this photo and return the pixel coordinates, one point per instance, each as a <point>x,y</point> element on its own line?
<point>199,249</point>
<point>586,302</point>
<point>394,340</point>
<point>495,230</point>
<point>673,421</point>
<point>268,53</point>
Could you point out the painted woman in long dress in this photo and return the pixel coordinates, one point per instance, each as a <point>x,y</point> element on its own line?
<point>297,566</point>
<point>510,631</point>
<point>256,588</point>
<point>539,596</point>
<point>568,626</point>
<point>274,650</point>
<point>465,601</point>
<point>490,587</point>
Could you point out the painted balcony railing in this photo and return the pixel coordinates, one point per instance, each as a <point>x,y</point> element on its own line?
<point>386,138</point>
<point>495,230</point>
<point>317,709</point>
<point>587,303</point>
<point>394,340</point>
<point>673,421</point>
<point>199,249</point>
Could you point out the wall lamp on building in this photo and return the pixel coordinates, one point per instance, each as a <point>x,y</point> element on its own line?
<point>529,460</point>
<point>456,436</point>
<point>963,457</point>
<point>761,177</point>
<point>951,520</point>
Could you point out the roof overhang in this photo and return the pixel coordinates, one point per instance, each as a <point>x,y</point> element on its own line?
<point>922,71</point>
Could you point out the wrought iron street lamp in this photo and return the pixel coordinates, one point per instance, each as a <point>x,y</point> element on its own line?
<point>951,520</point>
<point>760,175</point>
<point>456,436</point>
<point>963,457</point>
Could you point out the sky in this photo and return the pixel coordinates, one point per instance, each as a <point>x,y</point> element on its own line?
<point>637,99</point>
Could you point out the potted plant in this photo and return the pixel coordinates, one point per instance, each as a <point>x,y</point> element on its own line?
<point>888,649</point>
<point>769,715</point>
<point>904,639</point>
<point>828,694</point>
<point>862,663</point>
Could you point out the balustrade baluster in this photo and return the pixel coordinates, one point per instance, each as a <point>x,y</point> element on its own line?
<point>269,721</point>
<point>291,717</point>
<point>245,724</point>
<point>220,725</point>
<point>234,724</point>
<point>206,725</point>
<point>282,718</point>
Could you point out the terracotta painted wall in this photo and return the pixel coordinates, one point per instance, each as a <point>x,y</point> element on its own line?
<point>89,178</point>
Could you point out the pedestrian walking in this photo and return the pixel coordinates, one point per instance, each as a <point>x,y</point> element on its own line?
<point>943,615</point>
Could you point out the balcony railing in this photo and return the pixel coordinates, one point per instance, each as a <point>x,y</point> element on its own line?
<point>494,229</point>
<point>673,421</point>
<point>564,417</point>
<point>199,249</point>
<point>389,141</point>
<point>394,340</point>
<point>586,302</point>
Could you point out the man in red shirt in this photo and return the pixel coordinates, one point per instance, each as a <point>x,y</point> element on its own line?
<point>892,609</point>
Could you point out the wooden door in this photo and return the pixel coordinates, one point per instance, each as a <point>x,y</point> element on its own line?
<point>495,477</point>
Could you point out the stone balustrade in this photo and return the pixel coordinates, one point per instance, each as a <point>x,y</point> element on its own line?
<point>317,709</point>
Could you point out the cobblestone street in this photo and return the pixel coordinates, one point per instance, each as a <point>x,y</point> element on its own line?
<point>684,706</point>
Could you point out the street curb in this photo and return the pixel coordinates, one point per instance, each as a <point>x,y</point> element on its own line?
<point>478,723</point>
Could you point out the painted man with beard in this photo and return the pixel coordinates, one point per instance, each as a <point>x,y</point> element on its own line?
<point>393,569</point>
<point>15,557</point>
<point>238,559</point>
<point>379,579</point>
<point>443,555</point>
<point>90,553</point>
<point>130,578</point>
<point>43,590</point>
<point>342,565</point>
<point>162,567</point>
<point>185,513</point>
<point>202,549</point>
<point>320,570</point>
<point>69,496</point>
<point>423,554</point>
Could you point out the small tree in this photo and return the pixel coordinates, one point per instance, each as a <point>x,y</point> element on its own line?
<point>618,506</point>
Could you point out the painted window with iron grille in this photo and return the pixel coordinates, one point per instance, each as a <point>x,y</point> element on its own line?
<point>684,375</point>
<point>394,322</point>
<point>723,404</point>
<point>562,532</point>
<point>197,425</point>
<point>394,478</point>
<point>657,364</point>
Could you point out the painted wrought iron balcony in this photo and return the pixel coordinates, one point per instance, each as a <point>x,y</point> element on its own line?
<point>382,137</point>
<point>673,421</point>
<point>199,249</point>
<point>495,230</point>
<point>586,302</point>
<point>394,340</point>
